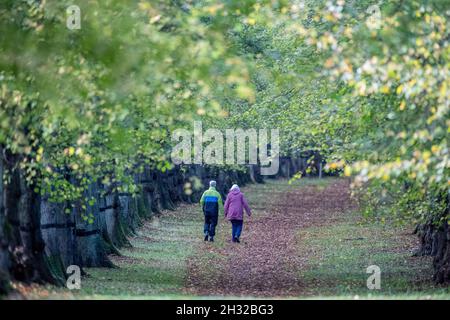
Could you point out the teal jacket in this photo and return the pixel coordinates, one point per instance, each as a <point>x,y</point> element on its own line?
<point>211,202</point>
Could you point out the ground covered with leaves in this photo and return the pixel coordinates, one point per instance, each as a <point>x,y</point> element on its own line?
<point>267,263</point>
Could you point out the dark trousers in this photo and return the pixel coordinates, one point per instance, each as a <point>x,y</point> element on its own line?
<point>210,224</point>
<point>236,228</point>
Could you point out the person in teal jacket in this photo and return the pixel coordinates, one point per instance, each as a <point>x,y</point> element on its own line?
<point>211,203</point>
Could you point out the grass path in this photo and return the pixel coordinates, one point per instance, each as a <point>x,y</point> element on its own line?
<point>155,266</point>
<point>304,240</point>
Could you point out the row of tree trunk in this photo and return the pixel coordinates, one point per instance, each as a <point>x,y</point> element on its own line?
<point>308,163</point>
<point>39,239</point>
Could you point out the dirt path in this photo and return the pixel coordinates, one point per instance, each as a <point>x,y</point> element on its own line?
<point>267,262</point>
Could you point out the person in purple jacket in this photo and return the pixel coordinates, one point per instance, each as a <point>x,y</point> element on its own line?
<point>234,211</point>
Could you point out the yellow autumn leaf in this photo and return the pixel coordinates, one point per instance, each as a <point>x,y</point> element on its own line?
<point>443,90</point>
<point>333,165</point>
<point>435,149</point>
<point>144,6</point>
<point>385,89</point>
<point>348,171</point>
<point>251,21</point>
<point>245,92</point>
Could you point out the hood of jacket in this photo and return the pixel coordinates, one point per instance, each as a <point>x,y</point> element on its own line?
<point>235,191</point>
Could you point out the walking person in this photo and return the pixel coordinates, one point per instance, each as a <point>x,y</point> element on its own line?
<point>234,211</point>
<point>211,202</point>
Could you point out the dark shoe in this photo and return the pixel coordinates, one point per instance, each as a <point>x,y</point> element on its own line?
<point>211,239</point>
<point>237,240</point>
<point>206,238</point>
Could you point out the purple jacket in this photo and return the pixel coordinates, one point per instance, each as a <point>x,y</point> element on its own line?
<point>235,205</point>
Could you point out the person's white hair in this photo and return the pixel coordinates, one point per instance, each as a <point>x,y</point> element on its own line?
<point>212,183</point>
<point>235,187</point>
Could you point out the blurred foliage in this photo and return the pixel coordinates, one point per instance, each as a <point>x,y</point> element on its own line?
<point>100,102</point>
<point>372,97</point>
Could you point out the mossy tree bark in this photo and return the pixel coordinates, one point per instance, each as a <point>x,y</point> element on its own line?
<point>4,254</point>
<point>435,241</point>
<point>92,247</point>
<point>25,242</point>
<point>110,207</point>
<point>58,233</point>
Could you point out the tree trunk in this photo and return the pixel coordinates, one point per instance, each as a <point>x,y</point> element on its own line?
<point>92,248</point>
<point>128,215</point>
<point>435,242</point>
<point>151,193</point>
<point>4,254</point>
<point>441,261</point>
<point>26,246</point>
<point>58,233</point>
<point>110,208</point>
<point>172,185</point>
<point>162,182</point>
